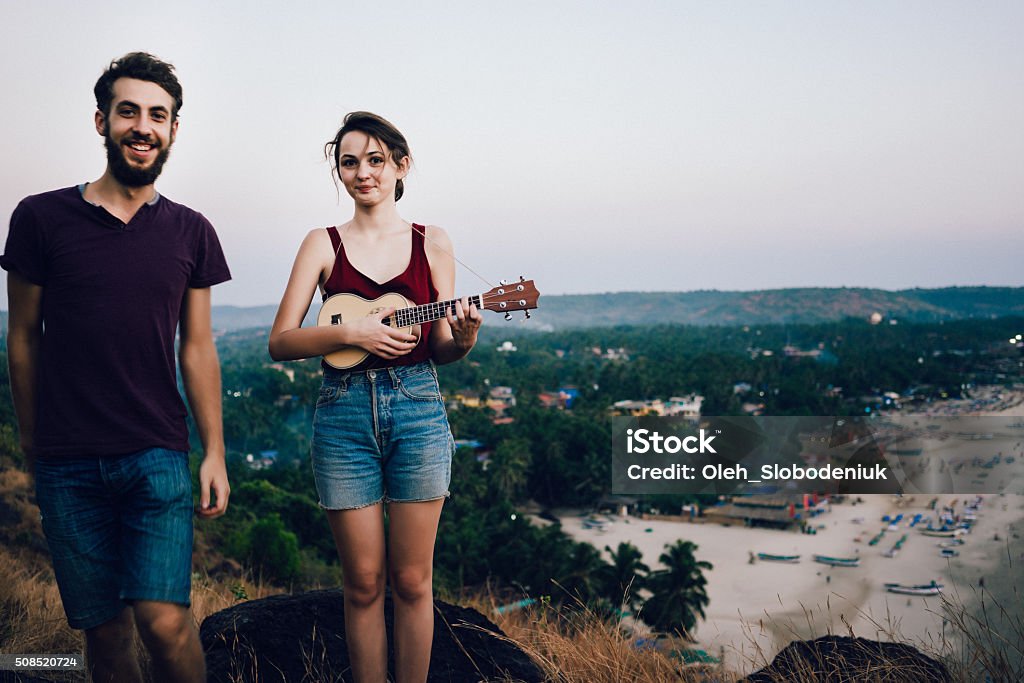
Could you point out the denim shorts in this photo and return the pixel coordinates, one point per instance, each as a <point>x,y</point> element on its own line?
<point>381,436</point>
<point>119,529</point>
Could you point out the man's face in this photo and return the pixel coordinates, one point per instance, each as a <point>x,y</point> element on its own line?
<point>138,131</point>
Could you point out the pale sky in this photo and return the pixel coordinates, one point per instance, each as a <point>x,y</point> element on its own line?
<point>592,146</point>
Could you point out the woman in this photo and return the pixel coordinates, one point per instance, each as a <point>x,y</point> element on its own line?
<point>380,434</point>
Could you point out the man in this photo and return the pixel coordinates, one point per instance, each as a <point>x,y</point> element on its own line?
<point>99,278</point>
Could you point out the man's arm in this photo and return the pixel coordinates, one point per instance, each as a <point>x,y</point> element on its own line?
<point>200,371</point>
<point>24,334</point>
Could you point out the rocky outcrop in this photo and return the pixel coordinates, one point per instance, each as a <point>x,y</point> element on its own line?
<point>838,658</point>
<point>301,637</point>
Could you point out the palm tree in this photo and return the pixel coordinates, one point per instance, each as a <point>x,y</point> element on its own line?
<point>508,468</point>
<point>679,597</point>
<point>625,576</point>
<point>582,581</point>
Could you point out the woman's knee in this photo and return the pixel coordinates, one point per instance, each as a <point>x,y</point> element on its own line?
<point>411,584</point>
<point>363,589</point>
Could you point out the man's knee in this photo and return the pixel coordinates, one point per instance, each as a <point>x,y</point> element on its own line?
<point>165,628</point>
<point>114,636</point>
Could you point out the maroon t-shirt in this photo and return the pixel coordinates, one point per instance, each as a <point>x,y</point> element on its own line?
<point>414,283</point>
<point>112,295</point>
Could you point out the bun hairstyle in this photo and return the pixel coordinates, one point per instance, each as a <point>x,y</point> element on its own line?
<point>379,129</point>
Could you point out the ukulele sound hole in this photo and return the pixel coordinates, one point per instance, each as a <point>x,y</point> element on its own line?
<point>336,319</point>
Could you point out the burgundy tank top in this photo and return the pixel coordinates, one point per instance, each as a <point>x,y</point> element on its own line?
<point>413,283</point>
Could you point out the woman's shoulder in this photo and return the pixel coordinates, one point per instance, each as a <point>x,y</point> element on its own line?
<point>318,237</point>
<point>436,239</point>
<point>317,246</point>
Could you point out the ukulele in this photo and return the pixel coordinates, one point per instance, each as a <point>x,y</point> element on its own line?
<point>340,308</point>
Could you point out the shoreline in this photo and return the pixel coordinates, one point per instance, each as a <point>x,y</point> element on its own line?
<point>757,609</point>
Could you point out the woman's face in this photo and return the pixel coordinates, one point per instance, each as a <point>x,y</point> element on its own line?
<point>367,170</point>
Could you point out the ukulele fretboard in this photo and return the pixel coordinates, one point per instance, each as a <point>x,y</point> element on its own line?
<point>415,315</point>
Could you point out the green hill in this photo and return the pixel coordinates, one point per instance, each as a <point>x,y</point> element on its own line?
<point>713,307</point>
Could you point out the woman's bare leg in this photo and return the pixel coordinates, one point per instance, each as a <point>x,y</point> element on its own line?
<point>359,535</point>
<point>412,531</point>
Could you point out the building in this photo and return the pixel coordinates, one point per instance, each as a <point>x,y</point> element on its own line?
<point>688,406</point>
<point>775,512</point>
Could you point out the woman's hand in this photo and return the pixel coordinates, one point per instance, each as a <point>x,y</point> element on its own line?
<point>372,335</point>
<point>464,323</point>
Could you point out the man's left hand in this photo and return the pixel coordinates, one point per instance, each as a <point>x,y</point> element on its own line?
<point>213,478</point>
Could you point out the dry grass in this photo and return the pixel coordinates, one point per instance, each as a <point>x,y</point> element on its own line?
<point>575,645</point>
<point>570,643</point>
<point>31,616</point>
<point>986,640</point>
<point>211,595</point>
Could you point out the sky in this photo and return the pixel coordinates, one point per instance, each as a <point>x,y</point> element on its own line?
<point>590,146</point>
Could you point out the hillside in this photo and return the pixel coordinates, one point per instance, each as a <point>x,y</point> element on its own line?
<point>713,307</point>
<point>808,305</point>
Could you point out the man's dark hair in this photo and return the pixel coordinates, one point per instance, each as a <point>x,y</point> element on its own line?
<point>144,67</point>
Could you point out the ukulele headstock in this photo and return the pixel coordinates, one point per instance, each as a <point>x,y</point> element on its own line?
<point>508,297</point>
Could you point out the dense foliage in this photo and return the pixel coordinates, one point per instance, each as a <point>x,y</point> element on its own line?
<point>559,458</point>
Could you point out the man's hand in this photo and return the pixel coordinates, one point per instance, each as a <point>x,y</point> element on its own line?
<point>213,479</point>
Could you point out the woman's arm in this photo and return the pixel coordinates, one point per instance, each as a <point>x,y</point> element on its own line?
<point>454,336</point>
<point>290,341</point>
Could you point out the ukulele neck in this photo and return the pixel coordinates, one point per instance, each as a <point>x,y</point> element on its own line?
<point>415,315</point>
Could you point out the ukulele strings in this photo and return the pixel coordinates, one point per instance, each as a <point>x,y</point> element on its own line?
<point>412,314</point>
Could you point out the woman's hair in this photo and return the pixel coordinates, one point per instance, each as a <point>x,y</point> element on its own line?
<point>377,128</point>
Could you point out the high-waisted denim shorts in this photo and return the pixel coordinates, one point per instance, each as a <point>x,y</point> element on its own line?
<point>381,436</point>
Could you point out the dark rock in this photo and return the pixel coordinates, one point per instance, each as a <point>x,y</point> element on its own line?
<point>301,637</point>
<point>19,677</point>
<point>838,658</point>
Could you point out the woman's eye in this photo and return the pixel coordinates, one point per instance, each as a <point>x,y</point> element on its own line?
<point>348,163</point>
<point>377,161</point>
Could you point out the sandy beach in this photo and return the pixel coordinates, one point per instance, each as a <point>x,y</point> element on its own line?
<point>756,609</point>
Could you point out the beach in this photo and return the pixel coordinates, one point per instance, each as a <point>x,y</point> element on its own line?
<point>758,608</point>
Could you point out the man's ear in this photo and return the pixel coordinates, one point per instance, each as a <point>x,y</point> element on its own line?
<point>101,123</point>
<point>174,129</point>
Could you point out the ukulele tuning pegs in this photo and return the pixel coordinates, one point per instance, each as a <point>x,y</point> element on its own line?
<point>522,279</point>
<point>508,315</point>
<point>527,313</point>
<point>503,282</point>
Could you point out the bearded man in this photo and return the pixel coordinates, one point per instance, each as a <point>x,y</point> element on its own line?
<point>100,276</point>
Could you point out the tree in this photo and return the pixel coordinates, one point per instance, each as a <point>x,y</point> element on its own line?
<point>509,466</point>
<point>272,549</point>
<point>679,595</point>
<point>625,576</point>
<point>583,579</point>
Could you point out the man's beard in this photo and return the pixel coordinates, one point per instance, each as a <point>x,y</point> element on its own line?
<point>124,172</point>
